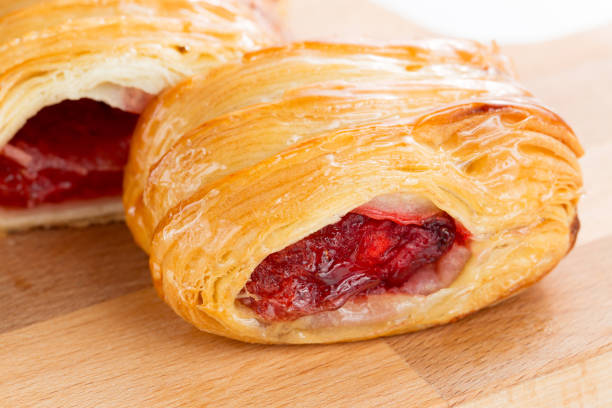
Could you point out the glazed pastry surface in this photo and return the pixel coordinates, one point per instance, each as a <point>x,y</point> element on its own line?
<point>231,167</point>
<point>118,52</point>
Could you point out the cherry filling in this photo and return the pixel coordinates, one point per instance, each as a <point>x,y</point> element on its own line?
<point>70,151</point>
<point>358,255</point>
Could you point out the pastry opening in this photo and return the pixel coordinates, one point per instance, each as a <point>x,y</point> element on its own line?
<point>72,151</point>
<point>394,244</point>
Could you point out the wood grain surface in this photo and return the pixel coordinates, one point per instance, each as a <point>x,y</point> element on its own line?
<point>82,326</point>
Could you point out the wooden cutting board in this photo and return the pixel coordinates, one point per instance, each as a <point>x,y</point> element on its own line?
<point>82,327</point>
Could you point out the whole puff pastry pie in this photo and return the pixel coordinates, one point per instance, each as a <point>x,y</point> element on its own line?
<point>74,77</point>
<point>320,193</point>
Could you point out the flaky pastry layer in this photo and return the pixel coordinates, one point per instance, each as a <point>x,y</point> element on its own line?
<point>232,166</point>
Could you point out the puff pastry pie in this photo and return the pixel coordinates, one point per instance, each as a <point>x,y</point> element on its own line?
<point>74,77</point>
<point>320,193</point>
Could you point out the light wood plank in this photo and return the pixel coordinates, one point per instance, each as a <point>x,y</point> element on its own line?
<point>47,273</point>
<point>563,320</point>
<point>133,349</point>
<point>585,384</point>
<point>596,204</point>
<point>348,20</point>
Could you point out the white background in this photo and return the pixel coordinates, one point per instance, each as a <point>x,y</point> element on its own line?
<point>506,21</point>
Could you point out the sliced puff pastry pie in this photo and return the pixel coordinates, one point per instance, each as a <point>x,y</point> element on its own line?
<point>332,192</point>
<point>74,77</point>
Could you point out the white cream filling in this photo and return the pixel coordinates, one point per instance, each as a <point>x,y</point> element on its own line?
<point>402,208</point>
<point>131,100</point>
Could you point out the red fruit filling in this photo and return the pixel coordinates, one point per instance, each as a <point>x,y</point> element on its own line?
<point>74,150</point>
<point>356,256</point>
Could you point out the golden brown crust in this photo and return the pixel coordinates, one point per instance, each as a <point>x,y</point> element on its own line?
<point>54,50</point>
<point>574,228</point>
<point>251,158</point>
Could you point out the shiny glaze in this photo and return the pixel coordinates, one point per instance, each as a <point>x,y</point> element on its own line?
<point>359,85</point>
<point>244,162</point>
